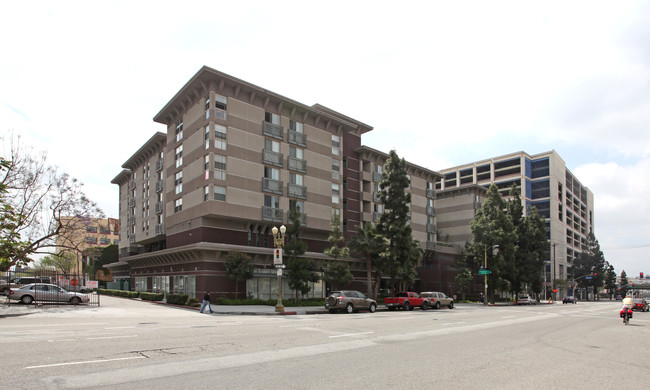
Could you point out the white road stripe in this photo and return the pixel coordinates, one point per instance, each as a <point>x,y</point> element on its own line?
<point>350,334</point>
<point>86,362</point>
<point>111,337</point>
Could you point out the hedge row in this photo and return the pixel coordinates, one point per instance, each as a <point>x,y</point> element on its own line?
<point>119,293</point>
<point>151,296</point>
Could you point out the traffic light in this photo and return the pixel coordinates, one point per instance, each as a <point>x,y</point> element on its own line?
<point>277,254</point>
<point>595,273</point>
<point>641,275</point>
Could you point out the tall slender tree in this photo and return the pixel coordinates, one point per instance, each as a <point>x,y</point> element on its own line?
<point>368,243</point>
<point>491,226</point>
<point>403,251</point>
<point>301,270</point>
<point>239,267</point>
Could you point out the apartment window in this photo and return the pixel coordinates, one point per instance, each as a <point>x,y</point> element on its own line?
<point>296,152</point>
<point>91,229</point>
<point>179,130</point>
<point>206,193</point>
<point>297,204</point>
<point>178,205</point>
<point>178,182</point>
<point>296,179</point>
<point>272,118</point>
<point>336,144</point>
<point>379,168</point>
<point>219,167</point>
<point>179,156</point>
<point>296,126</point>
<point>345,203</point>
<point>207,108</point>
<point>206,164</point>
<point>206,137</point>
<point>220,105</point>
<point>335,193</point>
<point>273,146</point>
<point>345,184</point>
<point>91,240</point>
<point>271,173</point>
<point>272,201</point>
<point>220,133</point>
<point>219,193</point>
<point>336,212</point>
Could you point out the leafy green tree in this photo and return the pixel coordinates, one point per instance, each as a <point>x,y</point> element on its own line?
<point>63,262</point>
<point>492,226</point>
<point>338,275</point>
<point>463,279</point>
<point>104,256</point>
<point>239,267</point>
<point>336,239</point>
<point>610,280</point>
<point>624,283</point>
<point>368,243</point>
<point>301,270</point>
<point>532,250</point>
<point>403,252</point>
<point>590,263</point>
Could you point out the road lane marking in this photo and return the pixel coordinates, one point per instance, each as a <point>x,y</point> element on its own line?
<point>85,362</point>
<point>111,337</point>
<point>509,317</point>
<point>454,323</point>
<point>350,334</point>
<point>120,327</point>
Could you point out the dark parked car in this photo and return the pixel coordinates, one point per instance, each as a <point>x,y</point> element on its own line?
<point>569,299</point>
<point>350,301</point>
<point>640,304</point>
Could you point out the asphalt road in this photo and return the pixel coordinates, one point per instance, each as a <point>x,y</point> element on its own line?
<point>127,344</point>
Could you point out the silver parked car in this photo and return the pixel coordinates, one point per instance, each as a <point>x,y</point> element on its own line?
<point>350,301</point>
<point>42,292</point>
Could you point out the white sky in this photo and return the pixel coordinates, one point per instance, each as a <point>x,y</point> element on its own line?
<point>443,83</point>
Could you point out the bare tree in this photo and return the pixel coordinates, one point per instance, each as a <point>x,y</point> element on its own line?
<point>40,198</point>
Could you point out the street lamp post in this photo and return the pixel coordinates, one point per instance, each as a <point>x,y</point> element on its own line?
<point>495,250</point>
<point>278,240</point>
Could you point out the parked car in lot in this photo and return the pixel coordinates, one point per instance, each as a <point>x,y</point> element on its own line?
<point>350,301</point>
<point>406,300</point>
<point>4,287</point>
<point>41,292</point>
<point>437,299</point>
<point>569,299</point>
<point>525,300</point>
<point>640,304</point>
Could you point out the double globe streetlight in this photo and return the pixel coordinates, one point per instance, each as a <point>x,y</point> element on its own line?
<point>278,241</point>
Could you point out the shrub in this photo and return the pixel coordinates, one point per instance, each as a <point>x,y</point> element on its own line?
<point>177,299</point>
<point>151,296</point>
<point>193,302</point>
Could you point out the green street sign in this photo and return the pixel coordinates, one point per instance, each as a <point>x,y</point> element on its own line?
<point>484,272</point>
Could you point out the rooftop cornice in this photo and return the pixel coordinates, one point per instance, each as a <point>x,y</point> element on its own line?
<point>154,145</point>
<point>208,79</point>
<point>370,154</point>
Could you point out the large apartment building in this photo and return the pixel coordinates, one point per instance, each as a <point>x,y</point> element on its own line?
<point>547,184</point>
<point>235,158</point>
<point>86,234</point>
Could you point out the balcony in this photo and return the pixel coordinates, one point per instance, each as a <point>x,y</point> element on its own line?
<point>272,214</point>
<point>296,191</point>
<point>297,138</point>
<point>273,186</point>
<point>431,211</point>
<point>132,184</point>
<point>375,216</point>
<point>131,202</point>
<point>477,205</point>
<point>431,228</point>
<point>297,164</point>
<point>271,130</point>
<point>131,220</point>
<point>375,197</point>
<point>159,165</point>
<point>159,208</point>
<point>159,186</point>
<point>272,158</point>
<point>159,229</point>
<point>376,177</point>
<point>131,239</point>
<point>431,193</point>
<point>431,245</point>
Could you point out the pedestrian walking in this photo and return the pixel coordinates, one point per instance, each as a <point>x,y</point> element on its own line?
<point>206,302</point>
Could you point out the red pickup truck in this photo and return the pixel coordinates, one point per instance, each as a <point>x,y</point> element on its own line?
<point>406,301</point>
